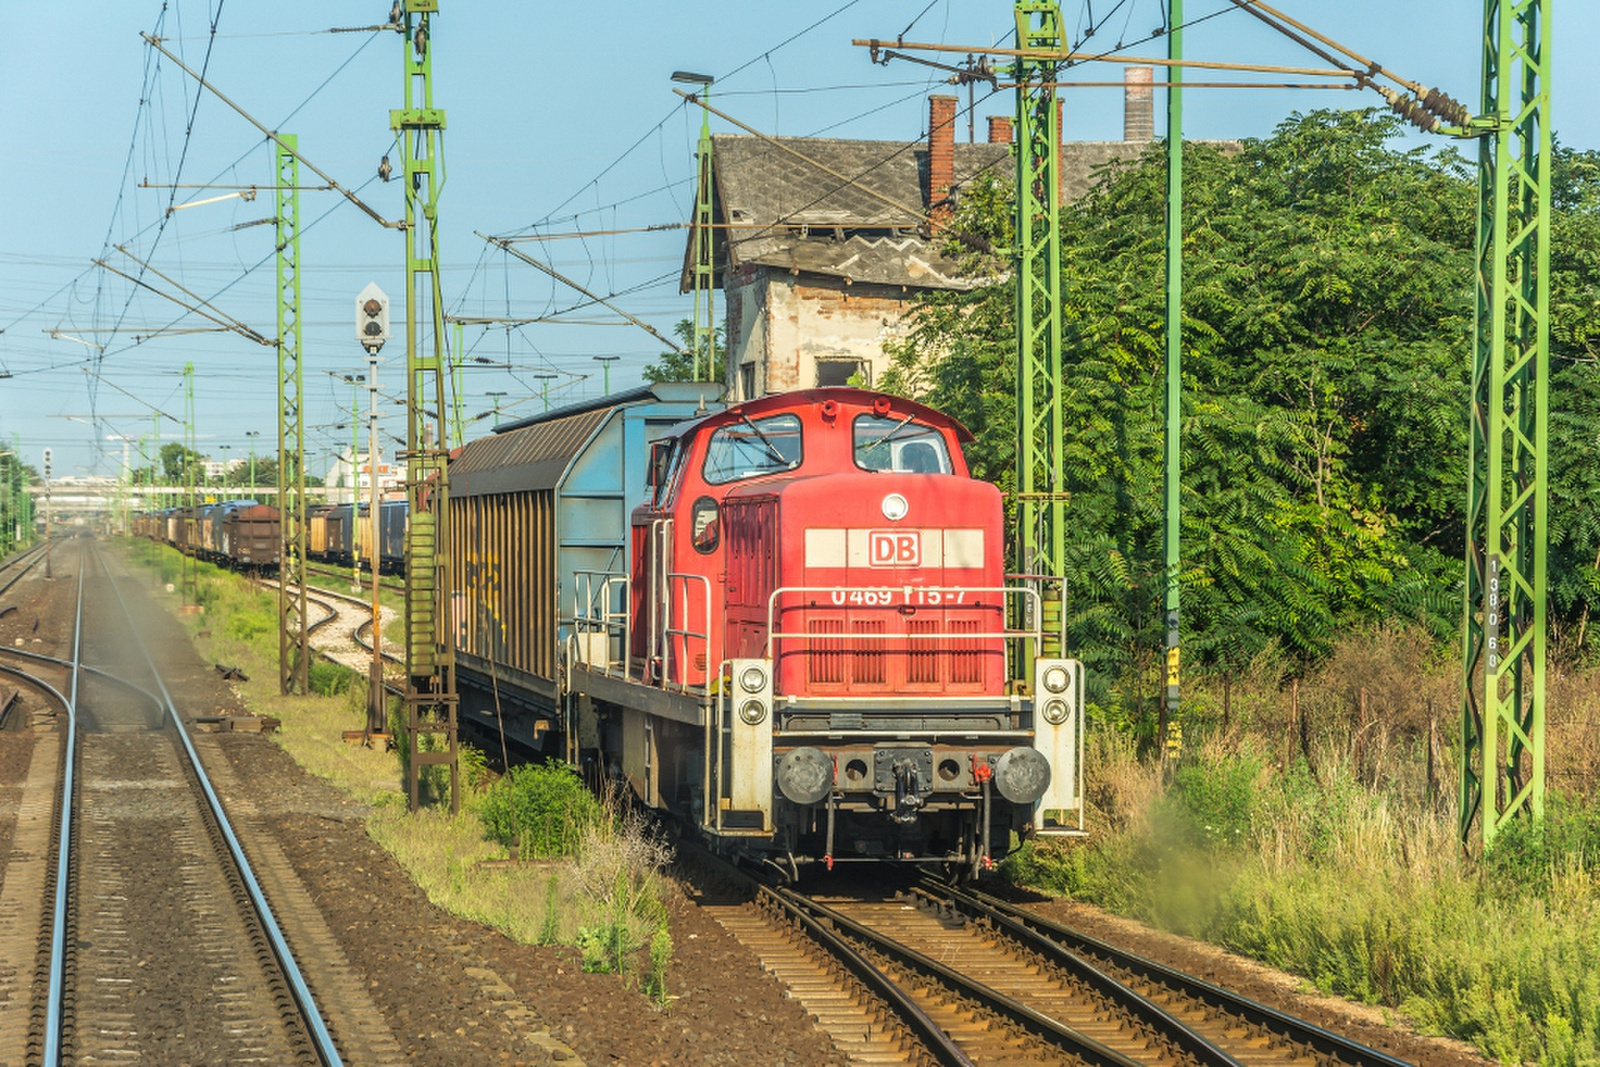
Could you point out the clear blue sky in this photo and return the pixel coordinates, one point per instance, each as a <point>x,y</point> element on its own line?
<point>561,118</point>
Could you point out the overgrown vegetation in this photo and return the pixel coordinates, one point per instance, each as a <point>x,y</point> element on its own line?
<point>542,811</point>
<point>1311,824</point>
<point>1329,299</point>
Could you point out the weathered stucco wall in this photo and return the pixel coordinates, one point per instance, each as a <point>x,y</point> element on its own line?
<point>798,332</point>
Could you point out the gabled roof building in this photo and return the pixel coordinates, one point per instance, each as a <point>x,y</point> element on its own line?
<point>821,244</point>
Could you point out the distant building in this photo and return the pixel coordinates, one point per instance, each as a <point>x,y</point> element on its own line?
<point>391,476</point>
<point>822,244</point>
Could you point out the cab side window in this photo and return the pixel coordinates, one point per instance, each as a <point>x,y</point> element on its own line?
<point>666,470</point>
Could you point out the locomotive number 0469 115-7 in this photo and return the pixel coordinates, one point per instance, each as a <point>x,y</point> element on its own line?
<point>915,596</point>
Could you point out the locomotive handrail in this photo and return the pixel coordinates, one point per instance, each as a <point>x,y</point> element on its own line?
<point>608,622</point>
<point>920,593</point>
<point>668,631</point>
<point>592,614</point>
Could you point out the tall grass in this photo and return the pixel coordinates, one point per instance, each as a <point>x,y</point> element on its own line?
<point>1314,829</point>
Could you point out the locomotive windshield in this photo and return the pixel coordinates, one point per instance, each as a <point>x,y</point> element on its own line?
<point>900,444</point>
<point>749,449</point>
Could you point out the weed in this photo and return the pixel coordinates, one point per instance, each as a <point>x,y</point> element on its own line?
<point>549,927</point>
<point>655,980</point>
<point>540,810</point>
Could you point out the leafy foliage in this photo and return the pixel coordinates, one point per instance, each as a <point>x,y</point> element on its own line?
<point>679,366</point>
<point>1328,305</point>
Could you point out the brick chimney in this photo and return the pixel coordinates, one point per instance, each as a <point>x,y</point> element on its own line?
<point>1138,104</point>
<point>999,129</point>
<point>941,160</point>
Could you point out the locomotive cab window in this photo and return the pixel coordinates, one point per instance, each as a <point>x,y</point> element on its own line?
<point>750,448</point>
<point>900,444</point>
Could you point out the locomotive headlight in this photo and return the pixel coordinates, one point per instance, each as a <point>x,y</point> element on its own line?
<point>1054,712</point>
<point>895,507</point>
<point>1055,679</point>
<point>751,712</point>
<point>752,680</point>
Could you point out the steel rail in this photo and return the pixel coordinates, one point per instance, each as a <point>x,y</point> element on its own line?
<point>58,915</point>
<point>321,1038</point>
<point>1149,1012</point>
<point>37,552</point>
<point>1325,1042</point>
<point>940,1045</point>
<point>1036,1022</point>
<point>98,672</point>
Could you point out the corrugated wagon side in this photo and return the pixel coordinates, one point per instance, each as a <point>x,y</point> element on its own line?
<point>537,509</point>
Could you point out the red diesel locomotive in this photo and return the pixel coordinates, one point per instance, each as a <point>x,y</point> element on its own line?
<point>804,643</point>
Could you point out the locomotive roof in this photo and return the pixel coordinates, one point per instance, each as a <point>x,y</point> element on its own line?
<point>841,394</point>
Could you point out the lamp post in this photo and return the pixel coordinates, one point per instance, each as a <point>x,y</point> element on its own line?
<point>544,388</point>
<point>251,435</point>
<point>495,399</point>
<point>222,475</point>
<point>606,361</point>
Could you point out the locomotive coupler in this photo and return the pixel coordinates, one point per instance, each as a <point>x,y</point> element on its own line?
<point>907,798</point>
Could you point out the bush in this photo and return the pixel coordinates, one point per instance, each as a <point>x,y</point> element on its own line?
<point>540,810</point>
<point>1212,802</point>
<point>1528,855</point>
<point>329,679</point>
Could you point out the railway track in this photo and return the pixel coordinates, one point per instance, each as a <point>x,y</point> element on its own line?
<point>153,939</point>
<point>347,625</point>
<point>931,974</point>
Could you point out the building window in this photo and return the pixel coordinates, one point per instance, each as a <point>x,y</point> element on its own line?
<point>747,381</point>
<point>843,372</point>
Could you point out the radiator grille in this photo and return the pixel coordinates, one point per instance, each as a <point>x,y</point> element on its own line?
<point>966,661</point>
<point>922,659</point>
<point>827,656</point>
<point>867,665</point>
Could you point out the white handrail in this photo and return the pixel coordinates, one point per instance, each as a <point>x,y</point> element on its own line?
<point>890,606</point>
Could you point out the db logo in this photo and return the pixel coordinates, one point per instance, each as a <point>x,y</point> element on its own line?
<point>894,548</point>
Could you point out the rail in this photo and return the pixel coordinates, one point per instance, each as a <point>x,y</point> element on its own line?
<point>301,992</point>
<point>58,916</point>
<point>1329,1046</point>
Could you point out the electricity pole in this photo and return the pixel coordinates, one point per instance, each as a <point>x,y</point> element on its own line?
<point>431,703</point>
<point>294,654</point>
<point>189,564</point>
<point>1169,735</point>
<point>1503,713</point>
<point>355,473</point>
<point>704,242</point>
<point>606,361</point>
<point>1041,501</point>
<point>48,512</point>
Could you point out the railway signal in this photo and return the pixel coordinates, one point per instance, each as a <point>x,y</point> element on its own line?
<point>372,317</point>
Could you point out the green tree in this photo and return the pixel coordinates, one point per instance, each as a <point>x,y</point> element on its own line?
<point>1327,319</point>
<point>176,459</point>
<point>679,366</point>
